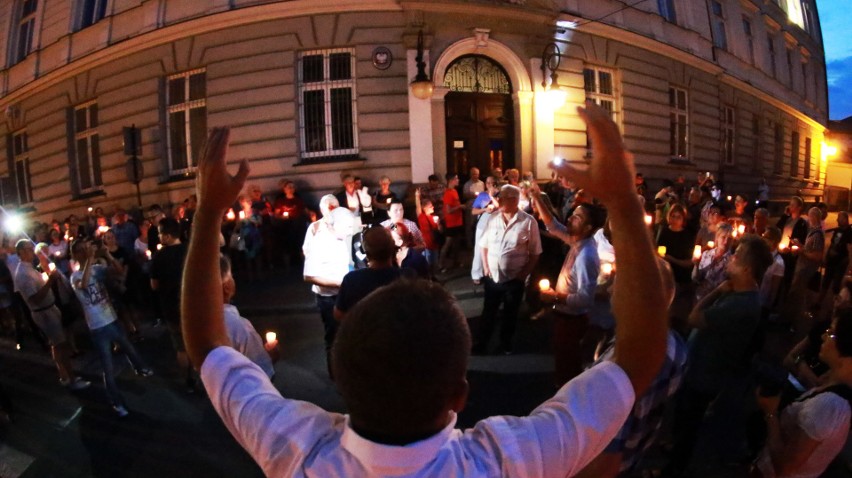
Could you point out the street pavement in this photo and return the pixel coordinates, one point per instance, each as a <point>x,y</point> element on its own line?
<point>169,433</point>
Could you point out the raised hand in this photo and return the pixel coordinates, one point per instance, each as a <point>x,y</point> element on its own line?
<point>217,190</point>
<point>610,174</point>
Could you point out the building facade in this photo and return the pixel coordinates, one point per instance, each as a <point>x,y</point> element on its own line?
<point>312,89</point>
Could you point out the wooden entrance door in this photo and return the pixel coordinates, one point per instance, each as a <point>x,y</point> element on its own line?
<point>480,132</point>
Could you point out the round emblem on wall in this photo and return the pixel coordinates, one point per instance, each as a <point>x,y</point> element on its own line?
<point>382,58</point>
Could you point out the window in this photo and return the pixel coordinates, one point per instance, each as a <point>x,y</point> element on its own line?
<point>808,155</point>
<point>186,119</point>
<point>773,67</point>
<point>805,80</point>
<point>86,163</point>
<point>749,40</point>
<point>779,148</point>
<point>728,121</point>
<point>327,112</point>
<point>808,16</point>
<point>26,29</point>
<point>679,125</point>
<point>91,12</point>
<point>600,88</point>
<point>667,10</point>
<point>790,67</point>
<point>794,154</point>
<point>21,160</point>
<point>720,38</point>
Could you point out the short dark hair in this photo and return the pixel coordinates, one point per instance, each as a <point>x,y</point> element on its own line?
<point>756,253</point>
<point>596,215</point>
<point>21,244</point>
<point>450,176</point>
<point>433,177</point>
<point>400,357</point>
<point>843,331</point>
<point>170,226</point>
<point>378,244</point>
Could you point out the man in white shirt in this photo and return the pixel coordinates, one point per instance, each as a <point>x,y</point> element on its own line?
<point>35,288</point>
<point>400,359</point>
<point>327,249</point>
<point>510,246</point>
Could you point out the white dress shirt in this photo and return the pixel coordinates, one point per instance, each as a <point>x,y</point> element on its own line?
<point>511,245</point>
<point>291,438</point>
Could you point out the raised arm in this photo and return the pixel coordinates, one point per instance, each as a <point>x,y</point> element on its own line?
<point>202,310</point>
<point>638,301</point>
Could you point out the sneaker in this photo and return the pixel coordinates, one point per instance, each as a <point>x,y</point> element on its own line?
<point>76,383</point>
<point>144,372</point>
<point>120,411</point>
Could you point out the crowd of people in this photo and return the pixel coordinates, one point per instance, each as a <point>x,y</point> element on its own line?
<point>661,307</point>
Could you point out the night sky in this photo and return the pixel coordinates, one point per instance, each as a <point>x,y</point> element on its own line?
<point>834,17</point>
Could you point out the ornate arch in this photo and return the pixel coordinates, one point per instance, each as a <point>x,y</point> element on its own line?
<point>500,53</point>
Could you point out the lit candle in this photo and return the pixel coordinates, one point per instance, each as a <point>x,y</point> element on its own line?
<point>729,198</point>
<point>57,253</point>
<point>230,216</point>
<point>741,228</point>
<point>242,215</point>
<point>544,284</point>
<point>148,254</point>
<point>103,229</point>
<point>389,200</point>
<point>734,233</point>
<point>90,208</point>
<point>75,266</point>
<point>696,253</point>
<point>711,244</point>
<point>271,337</point>
<point>794,248</point>
<point>648,219</point>
<point>51,266</point>
<point>784,243</point>
<point>44,276</point>
<point>286,214</point>
<point>606,268</point>
<point>436,219</point>
<point>159,246</point>
<point>661,250</point>
<point>66,236</point>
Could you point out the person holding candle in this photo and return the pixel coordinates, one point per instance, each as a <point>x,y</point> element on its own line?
<point>406,255</point>
<point>678,242</point>
<point>707,232</point>
<point>244,338</point>
<point>399,423</point>
<point>739,216</point>
<point>574,295</point>
<point>90,287</point>
<point>711,268</point>
<point>396,211</point>
<point>430,228</point>
<point>770,287</point>
<point>289,223</point>
<point>793,226</point>
<point>39,298</point>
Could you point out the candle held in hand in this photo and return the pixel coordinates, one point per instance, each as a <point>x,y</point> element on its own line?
<point>696,253</point>
<point>44,276</point>
<point>648,219</point>
<point>544,284</point>
<point>271,337</point>
<point>661,251</point>
<point>230,216</point>
<point>606,268</point>
<point>388,201</point>
<point>741,228</point>
<point>711,244</point>
<point>286,214</point>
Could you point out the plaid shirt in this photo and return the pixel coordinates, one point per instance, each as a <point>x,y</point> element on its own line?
<point>640,430</point>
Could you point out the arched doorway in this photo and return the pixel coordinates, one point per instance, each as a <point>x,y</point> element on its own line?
<point>479,117</point>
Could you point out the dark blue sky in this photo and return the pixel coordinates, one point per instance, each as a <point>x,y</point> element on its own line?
<point>837,35</point>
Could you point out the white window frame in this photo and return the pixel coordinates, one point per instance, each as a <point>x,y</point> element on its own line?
<point>21,160</point>
<point>80,22</point>
<point>326,85</point>
<point>729,130</point>
<point>24,46</point>
<point>186,107</point>
<point>90,135</point>
<point>676,130</point>
<point>598,97</point>
<point>720,34</point>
